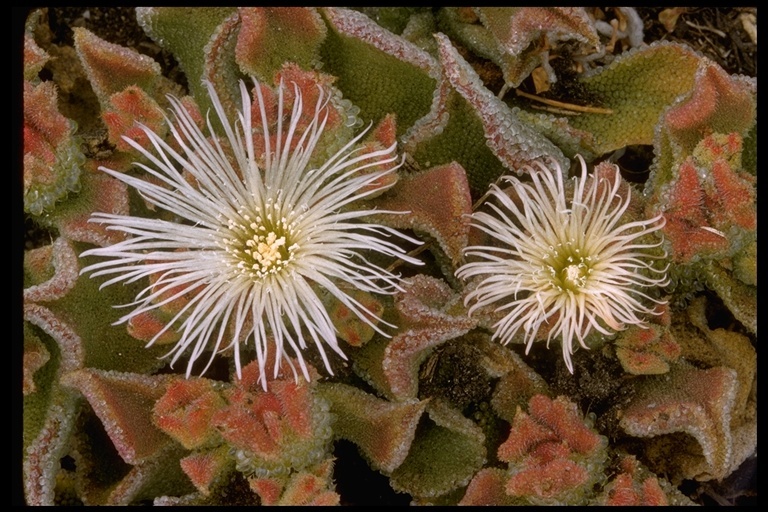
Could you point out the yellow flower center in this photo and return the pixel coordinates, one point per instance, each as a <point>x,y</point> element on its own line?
<point>574,276</point>
<point>567,268</point>
<point>260,241</point>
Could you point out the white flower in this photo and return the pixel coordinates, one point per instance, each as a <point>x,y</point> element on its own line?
<point>251,242</point>
<point>567,265</point>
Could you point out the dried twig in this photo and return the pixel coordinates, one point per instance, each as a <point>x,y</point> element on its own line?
<point>563,105</point>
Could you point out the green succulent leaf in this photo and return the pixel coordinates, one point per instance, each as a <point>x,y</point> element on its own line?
<point>447,451</point>
<point>379,72</point>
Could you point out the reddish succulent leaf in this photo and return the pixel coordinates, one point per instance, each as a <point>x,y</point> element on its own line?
<point>66,273</point>
<point>254,429</point>
<point>552,453</point>
<point>718,103</point>
<point>433,314</point>
<point>70,344</point>
<point>648,350</point>
<point>563,418</point>
<point>711,207</point>
<point>686,218</point>
<point>146,325</point>
<point>268,489</point>
<point>307,488</point>
<point>52,156</point>
<point>38,265</point>
<point>34,58</point>
<point>185,410</point>
<point>548,480</point>
<point>276,430</point>
<point>99,193</point>
<point>631,488</point>
<point>488,487</point>
<point>111,68</point>
<point>42,118</point>
<point>349,326</point>
<point>692,401</point>
<point>123,402</point>
<point>310,84</point>
<point>438,201</point>
<point>313,486</point>
<point>526,434</point>
<point>383,136</point>
<point>269,36</point>
<point>205,468</point>
<point>219,66</point>
<point>35,357</point>
<point>382,430</point>
<point>516,28</point>
<point>127,108</point>
<point>735,194</point>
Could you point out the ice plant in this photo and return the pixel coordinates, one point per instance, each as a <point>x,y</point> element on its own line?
<point>256,234</point>
<point>565,262</point>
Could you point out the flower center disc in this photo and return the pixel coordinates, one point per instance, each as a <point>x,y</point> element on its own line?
<point>261,242</point>
<point>574,276</point>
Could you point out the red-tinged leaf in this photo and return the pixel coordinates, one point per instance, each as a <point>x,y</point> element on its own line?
<point>549,480</point>
<point>382,430</point>
<point>563,418</point>
<point>123,402</point>
<point>35,357</point>
<point>111,68</point>
<point>42,116</point>
<point>270,36</point>
<point>718,103</point>
<point>438,203</point>
<point>52,155</point>
<point>488,487</point>
<point>99,193</point>
<point>516,28</point>
<point>185,410</point>
<point>735,194</point>
<point>34,58</point>
<point>146,325</point>
<point>268,489</point>
<point>349,326</point>
<point>127,108</point>
<point>632,488</point>
<point>696,402</point>
<point>526,433</point>
<point>646,350</point>
<point>66,268</point>
<point>433,322</point>
<point>207,467</point>
<point>70,344</point>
